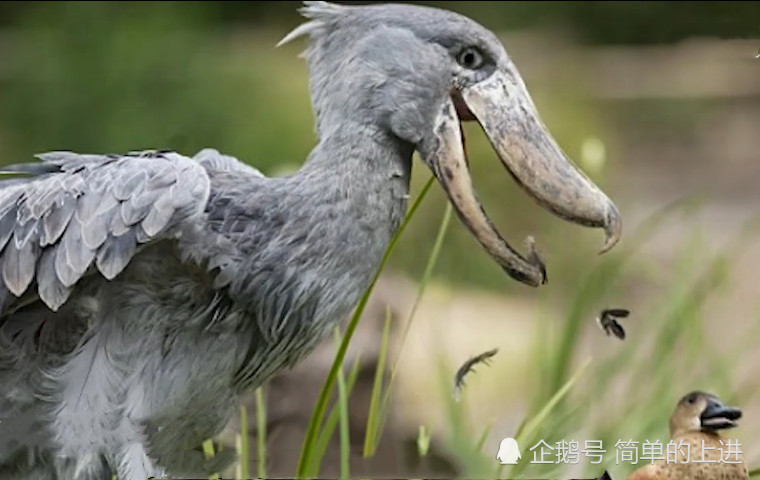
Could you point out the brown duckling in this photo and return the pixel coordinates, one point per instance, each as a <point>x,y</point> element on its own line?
<point>700,417</point>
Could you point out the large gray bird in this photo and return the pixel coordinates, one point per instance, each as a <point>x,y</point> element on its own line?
<point>142,294</point>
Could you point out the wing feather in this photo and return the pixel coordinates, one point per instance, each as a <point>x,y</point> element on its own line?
<point>78,255</point>
<point>131,186</point>
<point>115,254</point>
<point>23,232</point>
<point>55,222</point>
<point>63,267</point>
<point>95,232</point>
<point>73,210</point>
<point>7,222</point>
<point>18,266</point>
<point>131,214</point>
<point>159,215</point>
<point>50,288</point>
<point>87,206</point>
<point>118,226</point>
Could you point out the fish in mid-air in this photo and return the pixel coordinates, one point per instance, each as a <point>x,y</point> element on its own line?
<point>608,321</point>
<point>467,367</point>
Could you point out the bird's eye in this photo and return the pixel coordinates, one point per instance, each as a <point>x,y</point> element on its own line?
<point>470,58</point>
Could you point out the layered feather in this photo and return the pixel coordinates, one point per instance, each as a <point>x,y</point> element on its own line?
<point>75,213</point>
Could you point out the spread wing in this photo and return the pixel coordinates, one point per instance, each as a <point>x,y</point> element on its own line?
<point>76,213</point>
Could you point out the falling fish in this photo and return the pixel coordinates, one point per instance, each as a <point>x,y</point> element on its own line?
<point>608,321</point>
<point>467,367</point>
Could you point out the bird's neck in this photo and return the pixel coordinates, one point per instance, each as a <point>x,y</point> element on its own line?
<point>340,212</point>
<point>352,193</point>
<point>364,175</point>
<point>317,240</point>
<point>356,149</point>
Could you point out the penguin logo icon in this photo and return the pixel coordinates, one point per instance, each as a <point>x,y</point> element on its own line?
<point>509,452</point>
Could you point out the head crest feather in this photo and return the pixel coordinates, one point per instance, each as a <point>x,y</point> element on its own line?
<point>320,15</point>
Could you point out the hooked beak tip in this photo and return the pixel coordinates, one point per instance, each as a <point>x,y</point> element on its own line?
<point>613,229</point>
<point>535,259</point>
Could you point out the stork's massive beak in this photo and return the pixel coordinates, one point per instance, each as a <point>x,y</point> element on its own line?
<point>446,157</point>
<point>503,107</point>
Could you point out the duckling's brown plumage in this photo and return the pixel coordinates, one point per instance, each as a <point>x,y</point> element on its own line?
<point>699,417</point>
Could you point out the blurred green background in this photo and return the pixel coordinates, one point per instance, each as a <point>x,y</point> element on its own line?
<point>657,101</point>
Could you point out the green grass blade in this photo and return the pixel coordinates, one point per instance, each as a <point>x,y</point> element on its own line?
<point>432,260</point>
<point>423,441</point>
<point>458,440</point>
<point>243,457</point>
<point>533,425</point>
<point>373,418</point>
<point>208,450</point>
<point>261,433</point>
<point>318,413</point>
<point>483,437</point>
<point>529,429</point>
<point>345,440</point>
<point>323,442</point>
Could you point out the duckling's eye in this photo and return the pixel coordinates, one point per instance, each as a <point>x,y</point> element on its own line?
<point>470,58</point>
<point>691,399</point>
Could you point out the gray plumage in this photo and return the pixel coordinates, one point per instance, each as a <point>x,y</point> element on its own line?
<point>143,293</point>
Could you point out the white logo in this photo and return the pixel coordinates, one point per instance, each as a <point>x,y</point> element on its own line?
<point>509,452</point>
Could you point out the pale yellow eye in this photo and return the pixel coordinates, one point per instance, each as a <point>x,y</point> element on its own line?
<point>470,58</point>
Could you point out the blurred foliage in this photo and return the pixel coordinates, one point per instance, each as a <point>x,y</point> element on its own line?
<point>98,77</point>
<point>594,22</point>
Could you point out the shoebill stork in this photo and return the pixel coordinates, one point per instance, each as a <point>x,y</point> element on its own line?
<point>143,293</point>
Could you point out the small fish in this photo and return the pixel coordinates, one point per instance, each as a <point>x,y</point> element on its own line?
<point>467,367</point>
<point>758,53</point>
<point>535,258</point>
<point>608,321</point>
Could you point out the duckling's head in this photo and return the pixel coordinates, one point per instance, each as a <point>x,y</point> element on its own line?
<point>702,412</point>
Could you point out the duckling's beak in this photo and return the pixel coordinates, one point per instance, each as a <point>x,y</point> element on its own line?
<point>718,416</point>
